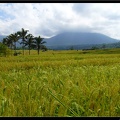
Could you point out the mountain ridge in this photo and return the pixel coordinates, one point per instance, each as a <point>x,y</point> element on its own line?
<point>78,38</point>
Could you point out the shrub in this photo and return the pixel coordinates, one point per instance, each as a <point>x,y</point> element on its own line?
<point>4,50</point>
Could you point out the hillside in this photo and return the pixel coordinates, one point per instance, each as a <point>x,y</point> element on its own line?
<point>78,38</point>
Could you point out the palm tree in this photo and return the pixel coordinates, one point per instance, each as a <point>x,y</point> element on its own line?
<point>14,38</point>
<point>5,41</point>
<point>8,42</point>
<point>39,43</point>
<point>29,41</point>
<point>23,35</point>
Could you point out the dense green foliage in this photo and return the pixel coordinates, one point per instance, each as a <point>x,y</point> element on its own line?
<point>61,83</point>
<point>27,40</point>
<point>4,51</point>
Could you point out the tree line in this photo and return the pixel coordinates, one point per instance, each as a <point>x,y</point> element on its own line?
<point>24,39</point>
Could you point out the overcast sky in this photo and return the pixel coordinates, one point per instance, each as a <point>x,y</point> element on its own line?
<point>49,19</point>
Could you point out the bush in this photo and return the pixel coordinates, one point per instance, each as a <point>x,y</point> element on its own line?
<point>17,53</point>
<point>4,50</point>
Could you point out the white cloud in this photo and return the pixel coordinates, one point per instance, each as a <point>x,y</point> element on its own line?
<point>48,19</point>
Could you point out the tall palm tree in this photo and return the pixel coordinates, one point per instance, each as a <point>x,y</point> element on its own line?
<point>23,34</point>
<point>39,43</point>
<point>29,41</point>
<point>14,38</point>
<point>8,42</point>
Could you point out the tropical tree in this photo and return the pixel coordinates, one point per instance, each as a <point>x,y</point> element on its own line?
<point>38,43</point>
<point>14,38</point>
<point>23,34</point>
<point>8,42</point>
<point>29,41</point>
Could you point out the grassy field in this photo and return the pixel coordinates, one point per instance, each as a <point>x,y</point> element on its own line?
<point>61,83</point>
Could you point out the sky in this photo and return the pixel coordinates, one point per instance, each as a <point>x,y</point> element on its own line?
<point>49,19</point>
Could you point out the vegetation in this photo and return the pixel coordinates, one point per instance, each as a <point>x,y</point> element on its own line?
<point>23,34</point>
<point>4,51</point>
<point>39,43</point>
<point>14,38</point>
<point>61,83</point>
<point>27,40</point>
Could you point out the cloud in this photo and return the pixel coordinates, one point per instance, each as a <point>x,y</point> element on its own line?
<point>49,19</point>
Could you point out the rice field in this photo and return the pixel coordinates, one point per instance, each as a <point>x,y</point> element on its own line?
<point>61,83</point>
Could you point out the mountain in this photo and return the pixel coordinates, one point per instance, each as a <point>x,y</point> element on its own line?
<point>78,38</point>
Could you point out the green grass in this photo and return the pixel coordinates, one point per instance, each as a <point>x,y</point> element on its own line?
<point>61,83</point>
